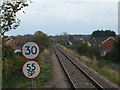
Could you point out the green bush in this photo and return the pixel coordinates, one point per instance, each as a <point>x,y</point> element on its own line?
<point>82,49</point>
<point>90,51</point>
<point>10,63</point>
<point>114,55</point>
<point>42,39</point>
<point>7,60</point>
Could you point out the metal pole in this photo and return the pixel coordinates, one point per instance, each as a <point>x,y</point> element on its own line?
<point>32,84</point>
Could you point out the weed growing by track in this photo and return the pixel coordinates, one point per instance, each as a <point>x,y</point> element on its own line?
<point>17,80</point>
<point>101,66</point>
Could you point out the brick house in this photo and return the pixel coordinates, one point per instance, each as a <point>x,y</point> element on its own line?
<point>13,42</point>
<point>104,43</point>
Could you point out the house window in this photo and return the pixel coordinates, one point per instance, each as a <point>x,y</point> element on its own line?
<point>103,53</point>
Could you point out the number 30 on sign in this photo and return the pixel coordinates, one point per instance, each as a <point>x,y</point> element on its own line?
<point>30,50</point>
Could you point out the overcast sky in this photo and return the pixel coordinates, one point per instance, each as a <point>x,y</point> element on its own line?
<point>72,16</point>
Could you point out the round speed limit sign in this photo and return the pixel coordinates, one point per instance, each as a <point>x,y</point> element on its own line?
<point>31,69</point>
<point>30,50</point>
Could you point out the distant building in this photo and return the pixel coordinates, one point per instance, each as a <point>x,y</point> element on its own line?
<point>13,42</point>
<point>105,43</point>
<point>68,43</point>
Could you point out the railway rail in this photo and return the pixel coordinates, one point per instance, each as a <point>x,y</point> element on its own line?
<point>76,75</point>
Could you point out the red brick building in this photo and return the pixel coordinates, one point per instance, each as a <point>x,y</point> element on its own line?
<point>108,44</point>
<point>104,43</point>
<point>13,42</point>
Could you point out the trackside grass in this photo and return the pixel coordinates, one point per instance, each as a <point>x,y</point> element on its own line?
<point>101,66</point>
<point>16,79</point>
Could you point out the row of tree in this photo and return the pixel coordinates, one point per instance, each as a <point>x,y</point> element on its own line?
<point>90,51</point>
<point>9,21</point>
<point>114,54</point>
<point>94,51</point>
<point>8,17</point>
<point>11,63</point>
<point>39,37</point>
<point>103,33</point>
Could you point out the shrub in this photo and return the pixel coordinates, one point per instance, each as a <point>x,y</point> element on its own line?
<point>7,60</point>
<point>90,51</point>
<point>114,55</point>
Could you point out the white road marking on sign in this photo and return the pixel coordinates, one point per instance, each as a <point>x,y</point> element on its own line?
<point>30,50</point>
<point>31,69</point>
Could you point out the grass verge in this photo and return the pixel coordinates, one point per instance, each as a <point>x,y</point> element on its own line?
<point>102,67</point>
<point>17,80</point>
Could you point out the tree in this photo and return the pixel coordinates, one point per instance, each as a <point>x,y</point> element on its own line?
<point>8,19</point>
<point>114,55</point>
<point>42,39</point>
<point>82,49</point>
<point>65,37</point>
<point>71,38</point>
<point>7,60</point>
<point>101,33</point>
<point>92,52</point>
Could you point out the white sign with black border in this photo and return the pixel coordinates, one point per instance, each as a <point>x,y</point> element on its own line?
<point>30,50</point>
<point>31,69</point>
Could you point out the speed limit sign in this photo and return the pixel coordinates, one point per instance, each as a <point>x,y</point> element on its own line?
<point>31,69</point>
<point>30,50</point>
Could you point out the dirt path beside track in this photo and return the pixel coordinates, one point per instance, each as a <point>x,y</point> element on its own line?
<point>59,80</point>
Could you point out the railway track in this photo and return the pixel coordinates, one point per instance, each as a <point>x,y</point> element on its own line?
<point>76,75</point>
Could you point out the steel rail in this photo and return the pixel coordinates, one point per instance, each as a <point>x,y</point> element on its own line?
<point>72,83</point>
<point>97,85</point>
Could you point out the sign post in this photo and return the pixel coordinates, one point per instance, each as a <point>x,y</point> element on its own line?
<point>32,84</point>
<point>31,69</point>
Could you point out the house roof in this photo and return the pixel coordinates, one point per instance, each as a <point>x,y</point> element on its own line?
<point>13,42</point>
<point>108,39</point>
<point>100,40</point>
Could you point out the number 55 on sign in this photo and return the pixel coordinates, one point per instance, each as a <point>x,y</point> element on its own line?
<point>31,69</point>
